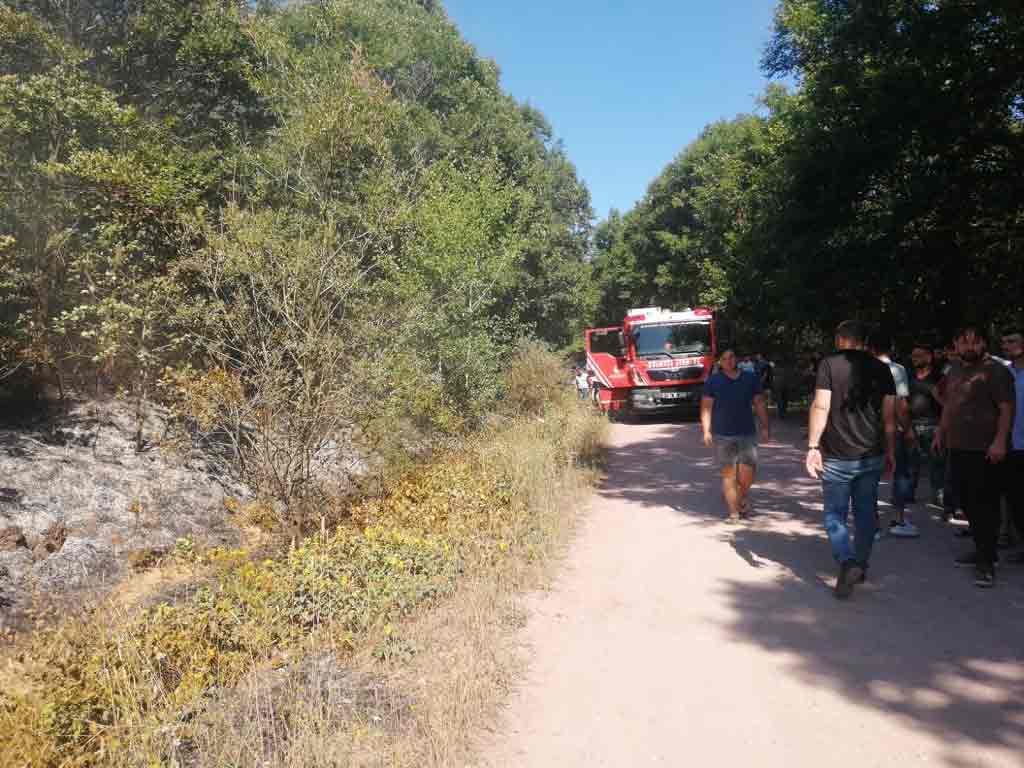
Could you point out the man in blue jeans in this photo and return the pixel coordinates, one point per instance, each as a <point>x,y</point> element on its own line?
<point>851,443</point>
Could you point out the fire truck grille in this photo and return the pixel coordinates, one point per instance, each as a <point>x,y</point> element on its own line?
<point>692,372</point>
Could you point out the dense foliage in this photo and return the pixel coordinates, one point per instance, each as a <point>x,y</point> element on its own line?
<point>885,185</point>
<point>334,203</point>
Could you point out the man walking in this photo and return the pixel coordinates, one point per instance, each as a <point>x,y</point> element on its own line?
<point>975,428</point>
<point>925,411</point>
<point>1013,472</point>
<point>902,481</point>
<point>851,442</point>
<point>727,410</point>
<point>582,384</point>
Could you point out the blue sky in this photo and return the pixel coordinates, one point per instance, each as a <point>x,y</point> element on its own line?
<point>626,85</point>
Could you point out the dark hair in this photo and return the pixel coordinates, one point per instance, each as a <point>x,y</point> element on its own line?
<point>975,330</point>
<point>853,330</point>
<point>879,342</point>
<point>925,345</point>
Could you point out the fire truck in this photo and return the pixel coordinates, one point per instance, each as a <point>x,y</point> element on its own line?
<point>657,360</point>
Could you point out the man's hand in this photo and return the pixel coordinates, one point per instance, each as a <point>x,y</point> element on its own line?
<point>766,434</point>
<point>708,439</point>
<point>890,465</point>
<point>996,452</point>
<point>909,437</point>
<point>937,446</point>
<point>813,463</point>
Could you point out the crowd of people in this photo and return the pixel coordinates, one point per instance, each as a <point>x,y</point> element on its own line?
<point>955,420</point>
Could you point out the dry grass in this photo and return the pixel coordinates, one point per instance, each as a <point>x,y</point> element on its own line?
<point>410,684</point>
<point>451,667</point>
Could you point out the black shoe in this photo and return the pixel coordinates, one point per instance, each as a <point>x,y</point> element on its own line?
<point>969,560</point>
<point>964,533</point>
<point>850,573</point>
<point>985,576</point>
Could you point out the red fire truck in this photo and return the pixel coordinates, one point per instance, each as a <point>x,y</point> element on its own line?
<point>656,360</point>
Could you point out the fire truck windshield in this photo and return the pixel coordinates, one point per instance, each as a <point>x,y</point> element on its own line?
<point>672,339</point>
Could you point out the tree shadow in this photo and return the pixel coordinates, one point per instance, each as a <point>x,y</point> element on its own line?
<point>918,642</point>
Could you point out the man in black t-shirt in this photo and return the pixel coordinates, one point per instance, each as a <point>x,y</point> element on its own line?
<point>851,442</point>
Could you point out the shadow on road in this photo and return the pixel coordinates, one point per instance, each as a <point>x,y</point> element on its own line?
<point>919,641</point>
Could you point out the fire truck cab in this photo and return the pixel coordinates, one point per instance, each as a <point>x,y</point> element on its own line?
<point>657,360</point>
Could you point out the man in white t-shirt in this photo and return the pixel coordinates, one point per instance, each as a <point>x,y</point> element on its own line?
<point>582,383</point>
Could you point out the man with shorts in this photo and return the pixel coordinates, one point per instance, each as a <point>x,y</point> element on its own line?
<point>727,410</point>
<point>851,443</point>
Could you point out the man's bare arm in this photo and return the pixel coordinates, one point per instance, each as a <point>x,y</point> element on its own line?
<point>761,409</point>
<point>997,451</point>
<point>903,413</point>
<point>889,420</point>
<point>705,417</point>
<point>819,416</point>
<point>816,427</point>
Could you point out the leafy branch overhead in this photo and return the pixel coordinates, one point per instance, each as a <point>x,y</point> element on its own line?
<point>886,179</point>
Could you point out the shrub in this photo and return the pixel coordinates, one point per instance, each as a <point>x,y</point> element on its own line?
<point>535,377</point>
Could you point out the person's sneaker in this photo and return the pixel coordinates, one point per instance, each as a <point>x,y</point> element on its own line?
<point>985,576</point>
<point>850,573</point>
<point>906,530</point>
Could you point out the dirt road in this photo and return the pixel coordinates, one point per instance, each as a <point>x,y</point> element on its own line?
<point>674,639</point>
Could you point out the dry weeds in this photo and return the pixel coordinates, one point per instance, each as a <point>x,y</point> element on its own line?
<point>413,691</point>
<point>450,668</point>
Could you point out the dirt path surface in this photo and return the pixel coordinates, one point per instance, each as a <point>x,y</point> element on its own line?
<point>672,638</point>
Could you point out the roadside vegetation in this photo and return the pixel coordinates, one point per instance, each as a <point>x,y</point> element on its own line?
<point>344,268</point>
<point>286,221</point>
<point>167,680</point>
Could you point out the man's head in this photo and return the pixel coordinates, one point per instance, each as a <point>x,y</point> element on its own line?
<point>1013,342</point>
<point>922,356</point>
<point>970,344</point>
<point>727,361</point>
<point>851,334</point>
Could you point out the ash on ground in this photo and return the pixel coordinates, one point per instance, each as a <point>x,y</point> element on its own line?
<point>78,497</point>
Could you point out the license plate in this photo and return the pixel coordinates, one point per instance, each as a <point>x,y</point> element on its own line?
<point>674,395</point>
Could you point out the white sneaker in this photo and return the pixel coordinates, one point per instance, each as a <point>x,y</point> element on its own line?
<point>905,530</point>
